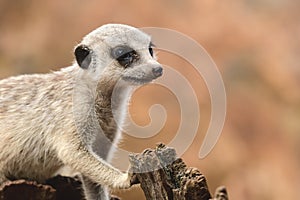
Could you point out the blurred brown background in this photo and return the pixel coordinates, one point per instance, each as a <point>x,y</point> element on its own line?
<point>255,44</point>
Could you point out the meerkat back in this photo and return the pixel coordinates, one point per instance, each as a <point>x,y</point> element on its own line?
<point>30,112</point>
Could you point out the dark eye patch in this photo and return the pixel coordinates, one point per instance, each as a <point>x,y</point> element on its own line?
<point>120,51</point>
<point>124,55</point>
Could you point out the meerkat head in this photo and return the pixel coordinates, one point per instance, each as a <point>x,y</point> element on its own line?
<point>118,52</point>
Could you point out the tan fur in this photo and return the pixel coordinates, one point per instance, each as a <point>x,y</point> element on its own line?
<point>48,121</point>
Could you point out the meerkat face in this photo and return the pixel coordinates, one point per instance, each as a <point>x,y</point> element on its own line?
<point>118,52</point>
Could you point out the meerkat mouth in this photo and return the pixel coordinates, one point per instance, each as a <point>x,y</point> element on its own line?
<point>141,76</point>
<point>137,81</point>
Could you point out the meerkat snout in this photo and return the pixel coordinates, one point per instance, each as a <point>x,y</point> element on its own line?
<point>143,73</point>
<point>157,71</point>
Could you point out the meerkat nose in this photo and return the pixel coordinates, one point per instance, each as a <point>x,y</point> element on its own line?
<point>157,71</point>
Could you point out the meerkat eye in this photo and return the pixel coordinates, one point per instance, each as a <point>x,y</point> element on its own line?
<point>126,59</point>
<point>124,55</point>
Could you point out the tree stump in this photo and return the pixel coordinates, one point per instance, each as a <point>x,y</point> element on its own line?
<point>163,176</point>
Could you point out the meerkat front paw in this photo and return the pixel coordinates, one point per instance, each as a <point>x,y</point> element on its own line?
<point>124,182</point>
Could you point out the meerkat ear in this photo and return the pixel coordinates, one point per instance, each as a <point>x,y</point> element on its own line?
<point>83,56</point>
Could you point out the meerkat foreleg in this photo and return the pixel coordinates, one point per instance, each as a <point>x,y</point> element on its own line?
<point>84,160</point>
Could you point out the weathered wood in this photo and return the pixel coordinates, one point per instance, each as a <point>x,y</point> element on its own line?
<point>66,187</point>
<point>221,193</point>
<point>21,189</point>
<point>56,188</point>
<point>163,176</point>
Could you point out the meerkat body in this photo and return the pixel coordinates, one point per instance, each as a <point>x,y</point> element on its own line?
<point>71,117</point>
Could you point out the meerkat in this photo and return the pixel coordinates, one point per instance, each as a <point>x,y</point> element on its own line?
<point>72,117</point>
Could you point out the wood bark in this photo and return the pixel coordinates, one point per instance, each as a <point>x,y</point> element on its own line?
<point>163,176</point>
